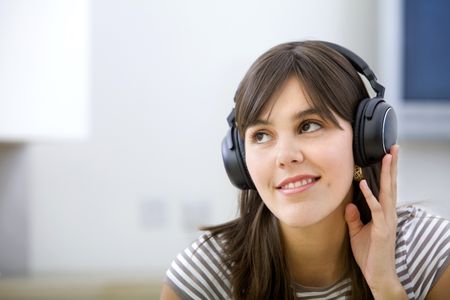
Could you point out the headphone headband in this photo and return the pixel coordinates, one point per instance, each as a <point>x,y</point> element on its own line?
<point>360,65</point>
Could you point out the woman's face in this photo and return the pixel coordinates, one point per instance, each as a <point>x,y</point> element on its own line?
<point>301,164</point>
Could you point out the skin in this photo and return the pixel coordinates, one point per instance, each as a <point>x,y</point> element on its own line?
<point>286,143</point>
<point>167,293</point>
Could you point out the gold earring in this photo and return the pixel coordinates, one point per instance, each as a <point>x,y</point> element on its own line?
<point>358,174</point>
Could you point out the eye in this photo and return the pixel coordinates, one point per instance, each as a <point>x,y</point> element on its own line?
<point>261,137</point>
<point>309,126</point>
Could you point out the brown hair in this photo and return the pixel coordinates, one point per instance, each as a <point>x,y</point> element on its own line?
<point>253,250</point>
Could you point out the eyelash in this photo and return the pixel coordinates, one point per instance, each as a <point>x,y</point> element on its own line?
<point>254,136</point>
<point>315,122</point>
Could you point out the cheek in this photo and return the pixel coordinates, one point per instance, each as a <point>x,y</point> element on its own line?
<point>256,167</point>
<point>344,158</point>
<point>261,167</point>
<point>339,162</point>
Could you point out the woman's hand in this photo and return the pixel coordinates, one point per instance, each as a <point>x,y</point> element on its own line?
<point>373,244</point>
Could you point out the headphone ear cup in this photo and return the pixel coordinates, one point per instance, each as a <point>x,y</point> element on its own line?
<point>233,155</point>
<point>375,131</point>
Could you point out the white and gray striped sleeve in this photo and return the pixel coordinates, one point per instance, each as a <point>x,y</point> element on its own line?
<point>198,271</point>
<point>423,248</point>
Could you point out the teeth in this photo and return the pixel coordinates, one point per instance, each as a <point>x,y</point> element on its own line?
<point>298,183</point>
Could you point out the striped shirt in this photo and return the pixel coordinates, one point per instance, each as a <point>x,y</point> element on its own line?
<point>422,255</point>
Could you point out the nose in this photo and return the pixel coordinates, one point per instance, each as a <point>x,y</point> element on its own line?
<point>289,153</point>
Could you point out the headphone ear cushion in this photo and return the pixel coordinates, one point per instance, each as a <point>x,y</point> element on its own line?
<point>358,134</point>
<point>233,155</point>
<point>375,131</point>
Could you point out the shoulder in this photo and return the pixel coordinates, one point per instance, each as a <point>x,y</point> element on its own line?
<point>419,228</point>
<point>417,225</point>
<point>422,249</point>
<point>198,272</point>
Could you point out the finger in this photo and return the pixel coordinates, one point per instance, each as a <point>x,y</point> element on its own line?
<point>388,181</point>
<point>385,196</point>
<point>352,217</point>
<point>374,206</point>
<point>394,165</point>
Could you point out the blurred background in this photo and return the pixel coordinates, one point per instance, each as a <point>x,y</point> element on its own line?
<point>112,115</point>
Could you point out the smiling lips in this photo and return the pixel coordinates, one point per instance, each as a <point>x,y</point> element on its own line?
<point>297,184</point>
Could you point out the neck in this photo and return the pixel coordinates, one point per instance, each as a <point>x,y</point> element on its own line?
<point>316,254</point>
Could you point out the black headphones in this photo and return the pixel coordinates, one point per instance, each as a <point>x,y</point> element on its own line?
<point>374,128</point>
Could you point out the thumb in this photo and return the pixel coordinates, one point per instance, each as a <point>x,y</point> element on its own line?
<point>353,220</point>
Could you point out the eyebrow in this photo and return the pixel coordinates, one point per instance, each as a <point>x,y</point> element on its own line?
<point>300,115</point>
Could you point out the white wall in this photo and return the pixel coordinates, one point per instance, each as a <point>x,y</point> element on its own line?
<point>163,78</point>
<point>44,67</point>
<point>424,175</point>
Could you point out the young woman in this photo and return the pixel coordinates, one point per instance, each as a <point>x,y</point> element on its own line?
<point>307,229</point>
